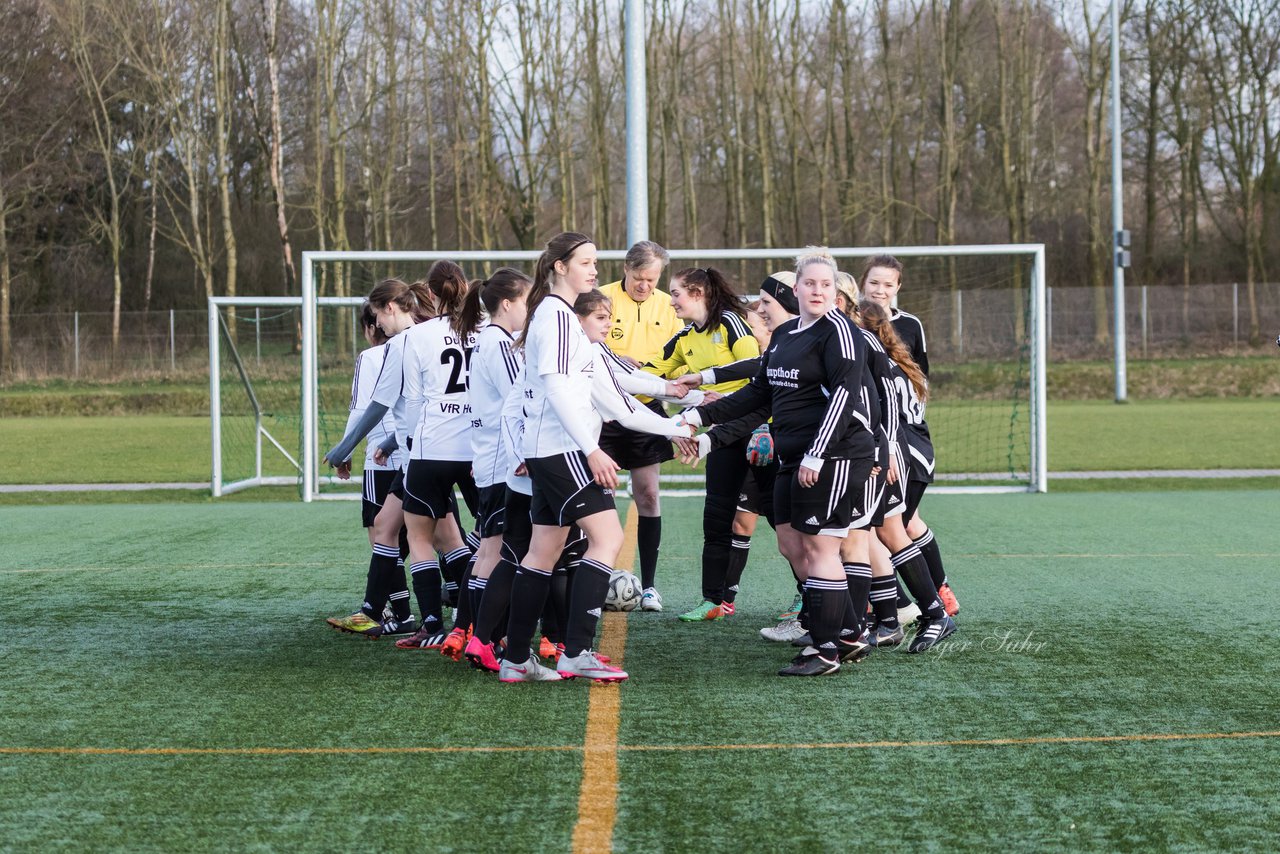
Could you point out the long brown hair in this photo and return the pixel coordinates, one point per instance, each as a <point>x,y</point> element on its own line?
<point>718,293</point>
<point>505,283</point>
<point>875,319</point>
<point>887,261</point>
<point>559,248</point>
<point>448,284</point>
<point>415,298</point>
<point>586,304</point>
<point>369,320</point>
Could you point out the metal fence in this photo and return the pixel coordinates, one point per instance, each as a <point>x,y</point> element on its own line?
<point>966,325</point>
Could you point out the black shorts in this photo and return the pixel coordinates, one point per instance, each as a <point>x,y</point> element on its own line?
<point>893,497</point>
<point>915,493</point>
<point>564,491</point>
<point>428,487</point>
<point>397,485</point>
<point>492,511</point>
<point>749,496</point>
<point>632,449</point>
<point>517,528</point>
<point>838,503</point>
<point>377,483</point>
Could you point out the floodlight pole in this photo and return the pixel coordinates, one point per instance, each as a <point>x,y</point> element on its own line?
<point>1120,237</point>
<point>637,125</point>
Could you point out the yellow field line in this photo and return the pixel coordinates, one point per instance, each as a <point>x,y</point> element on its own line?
<point>598,796</point>
<point>588,751</point>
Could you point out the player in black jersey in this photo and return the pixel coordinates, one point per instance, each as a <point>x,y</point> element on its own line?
<point>810,380</point>
<point>881,282</point>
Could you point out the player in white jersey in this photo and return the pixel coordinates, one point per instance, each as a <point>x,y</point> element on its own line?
<point>438,412</point>
<point>397,307</point>
<point>573,480</point>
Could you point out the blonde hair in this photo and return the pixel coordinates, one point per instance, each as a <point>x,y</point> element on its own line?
<point>816,255</point>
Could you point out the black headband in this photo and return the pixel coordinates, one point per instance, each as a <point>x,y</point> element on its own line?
<point>782,293</point>
<point>574,248</point>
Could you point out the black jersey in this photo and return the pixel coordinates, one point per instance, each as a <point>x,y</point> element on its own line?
<point>911,331</point>
<point>877,384</point>
<point>811,381</point>
<point>913,431</point>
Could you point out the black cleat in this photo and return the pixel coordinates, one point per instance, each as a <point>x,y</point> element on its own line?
<point>930,632</point>
<point>853,650</point>
<point>809,663</point>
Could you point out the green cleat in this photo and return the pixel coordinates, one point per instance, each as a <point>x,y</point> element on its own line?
<point>792,613</point>
<point>358,623</point>
<point>708,610</point>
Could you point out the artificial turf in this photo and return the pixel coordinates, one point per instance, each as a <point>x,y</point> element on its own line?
<point>1083,615</point>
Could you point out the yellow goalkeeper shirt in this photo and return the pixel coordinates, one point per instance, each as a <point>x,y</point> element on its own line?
<point>696,349</point>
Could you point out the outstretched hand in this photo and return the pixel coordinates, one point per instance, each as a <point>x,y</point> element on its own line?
<point>603,469</point>
<point>687,450</point>
<point>689,380</point>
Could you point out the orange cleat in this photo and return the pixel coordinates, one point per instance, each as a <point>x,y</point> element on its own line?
<point>455,643</point>
<point>949,602</point>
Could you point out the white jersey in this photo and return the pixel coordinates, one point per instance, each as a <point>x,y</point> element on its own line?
<point>556,346</point>
<point>494,370</point>
<point>512,441</point>
<point>368,366</point>
<point>435,389</point>
<point>389,388</point>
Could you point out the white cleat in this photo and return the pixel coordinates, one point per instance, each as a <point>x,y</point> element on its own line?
<point>651,600</point>
<point>586,665</point>
<point>908,614</point>
<point>784,632</point>
<point>530,671</point>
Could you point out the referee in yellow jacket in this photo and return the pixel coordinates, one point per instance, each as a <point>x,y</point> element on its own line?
<point>643,321</point>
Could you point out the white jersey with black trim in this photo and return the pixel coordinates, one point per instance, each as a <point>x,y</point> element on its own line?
<point>368,366</point>
<point>435,387</point>
<point>512,440</point>
<point>389,390</point>
<point>495,367</point>
<point>555,346</point>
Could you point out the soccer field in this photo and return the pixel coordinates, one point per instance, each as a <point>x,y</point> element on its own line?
<point>169,683</point>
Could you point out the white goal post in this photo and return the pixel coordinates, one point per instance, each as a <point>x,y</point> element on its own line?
<point>1036,477</point>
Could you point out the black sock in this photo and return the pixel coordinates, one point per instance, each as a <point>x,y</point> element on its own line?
<point>858,577</point>
<point>556,614</point>
<point>932,556</point>
<point>465,615</point>
<point>491,621</point>
<point>739,548</point>
<point>828,600</point>
<point>472,541</point>
<point>586,599</point>
<point>902,599</point>
<point>453,566</point>
<point>426,588</point>
<point>884,596</point>
<point>475,589</point>
<point>915,574</point>
<point>382,566</point>
<point>528,596</point>
<point>649,539</point>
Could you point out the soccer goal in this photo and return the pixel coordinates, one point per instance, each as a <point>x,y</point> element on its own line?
<point>280,367</point>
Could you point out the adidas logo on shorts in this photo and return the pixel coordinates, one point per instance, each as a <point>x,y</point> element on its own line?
<point>595,612</point>
<point>893,499</point>
<point>812,520</point>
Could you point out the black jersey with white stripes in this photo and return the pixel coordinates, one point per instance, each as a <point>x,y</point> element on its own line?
<point>877,383</point>
<point>911,331</point>
<point>913,431</point>
<point>811,380</point>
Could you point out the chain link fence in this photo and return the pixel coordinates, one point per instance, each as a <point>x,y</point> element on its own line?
<point>964,325</point>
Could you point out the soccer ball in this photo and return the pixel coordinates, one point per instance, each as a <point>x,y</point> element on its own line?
<point>624,591</point>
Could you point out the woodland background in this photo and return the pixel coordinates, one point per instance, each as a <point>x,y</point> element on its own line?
<point>156,152</point>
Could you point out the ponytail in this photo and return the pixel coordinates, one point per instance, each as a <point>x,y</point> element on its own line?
<point>414,299</point>
<point>718,293</point>
<point>486,295</point>
<point>448,284</point>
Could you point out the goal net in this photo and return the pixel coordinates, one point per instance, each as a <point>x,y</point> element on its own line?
<point>285,375</point>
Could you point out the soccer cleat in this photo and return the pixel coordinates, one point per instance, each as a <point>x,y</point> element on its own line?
<point>949,602</point>
<point>393,628</point>
<point>358,623</point>
<point>784,632</point>
<point>481,655</point>
<point>531,671</point>
<point>604,659</point>
<point>930,632</point>
<point>547,649</point>
<point>802,640</point>
<point>455,643</point>
<point>792,613</point>
<point>429,636</point>
<point>809,663</point>
<point>727,609</point>
<point>587,665</point>
<point>651,600</point>
<point>855,649</point>
<point>885,636</point>
<point>908,614</point>
<point>708,610</point>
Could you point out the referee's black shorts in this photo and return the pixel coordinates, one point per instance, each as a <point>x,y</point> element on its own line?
<point>631,449</point>
<point>564,490</point>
